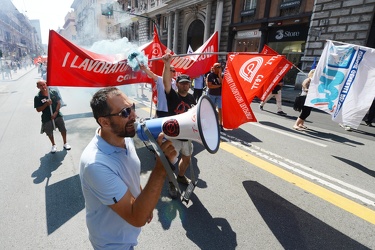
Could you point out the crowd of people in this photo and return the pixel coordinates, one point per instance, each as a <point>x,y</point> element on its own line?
<point>9,68</point>
<point>117,206</point>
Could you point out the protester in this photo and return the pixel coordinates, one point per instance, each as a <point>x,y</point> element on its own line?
<point>116,204</point>
<point>48,102</point>
<point>213,81</point>
<point>370,115</point>
<point>199,83</point>
<point>179,102</point>
<point>63,104</point>
<point>161,105</point>
<point>276,92</point>
<point>8,70</point>
<point>306,110</point>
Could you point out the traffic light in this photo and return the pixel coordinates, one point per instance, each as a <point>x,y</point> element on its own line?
<point>107,9</point>
<point>1,53</point>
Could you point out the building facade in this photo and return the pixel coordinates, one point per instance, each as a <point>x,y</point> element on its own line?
<point>297,29</point>
<point>19,40</point>
<point>69,30</point>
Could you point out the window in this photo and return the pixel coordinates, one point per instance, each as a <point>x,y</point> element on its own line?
<point>165,22</point>
<point>250,4</point>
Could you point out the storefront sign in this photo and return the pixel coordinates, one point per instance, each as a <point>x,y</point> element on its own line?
<point>248,34</point>
<point>288,33</point>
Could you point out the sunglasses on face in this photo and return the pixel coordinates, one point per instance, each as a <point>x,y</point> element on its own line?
<point>217,66</point>
<point>172,70</point>
<point>124,112</point>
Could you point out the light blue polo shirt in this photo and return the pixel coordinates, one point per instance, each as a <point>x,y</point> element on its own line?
<point>106,173</point>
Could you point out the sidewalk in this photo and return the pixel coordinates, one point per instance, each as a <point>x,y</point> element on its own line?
<point>15,76</point>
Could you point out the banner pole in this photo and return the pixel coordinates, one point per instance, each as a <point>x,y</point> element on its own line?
<point>206,53</point>
<point>50,108</point>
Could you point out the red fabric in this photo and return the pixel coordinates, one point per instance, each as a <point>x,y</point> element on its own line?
<point>196,65</point>
<point>155,49</point>
<point>267,50</point>
<point>72,66</point>
<point>40,59</point>
<point>247,76</point>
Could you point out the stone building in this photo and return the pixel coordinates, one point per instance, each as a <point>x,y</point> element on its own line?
<point>69,29</point>
<point>18,38</point>
<point>297,29</point>
<point>180,23</point>
<point>348,21</point>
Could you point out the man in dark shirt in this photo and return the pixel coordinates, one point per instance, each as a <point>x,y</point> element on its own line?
<point>50,116</point>
<point>214,81</point>
<point>179,102</point>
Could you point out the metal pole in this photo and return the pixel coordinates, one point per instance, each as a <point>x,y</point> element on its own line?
<point>152,20</point>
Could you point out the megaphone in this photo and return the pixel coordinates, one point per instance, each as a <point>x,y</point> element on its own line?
<point>198,124</point>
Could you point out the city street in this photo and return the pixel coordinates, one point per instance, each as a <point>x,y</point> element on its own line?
<point>268,187</point>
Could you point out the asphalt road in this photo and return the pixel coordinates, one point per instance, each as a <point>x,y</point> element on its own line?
<point>268,186</point>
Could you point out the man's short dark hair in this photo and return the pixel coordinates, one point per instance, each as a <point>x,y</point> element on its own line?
<point>99,103</point>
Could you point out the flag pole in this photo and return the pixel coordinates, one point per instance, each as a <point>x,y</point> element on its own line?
<point>50,109</point>
<point>206,53</point>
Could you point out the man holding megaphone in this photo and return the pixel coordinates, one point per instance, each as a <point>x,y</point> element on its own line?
<point>178,102</point>
<point>116,204</point>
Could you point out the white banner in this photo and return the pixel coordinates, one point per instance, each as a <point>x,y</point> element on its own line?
<point>344,83</point>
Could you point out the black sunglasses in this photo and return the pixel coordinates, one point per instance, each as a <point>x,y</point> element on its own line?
<point>124,112</point>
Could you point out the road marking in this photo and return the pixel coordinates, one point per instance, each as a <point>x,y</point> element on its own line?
<point>323,193</point>
<point>288,134</point>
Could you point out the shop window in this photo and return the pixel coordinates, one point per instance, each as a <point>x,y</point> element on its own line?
<point>165,22</point>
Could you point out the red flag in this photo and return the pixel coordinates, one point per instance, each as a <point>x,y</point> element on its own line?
<point>155,49</point>
<point>196,65</point>
<point>40,59</point>
<point>247,76</point>
<point>72,66</point>
<point>267,50</point>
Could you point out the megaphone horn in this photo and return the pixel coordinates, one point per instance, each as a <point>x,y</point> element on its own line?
<point>198,124</point>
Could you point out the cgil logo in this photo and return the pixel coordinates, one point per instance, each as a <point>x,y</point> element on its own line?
<point>250,69</point>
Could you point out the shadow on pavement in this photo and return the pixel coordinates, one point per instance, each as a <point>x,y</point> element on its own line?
<point>293,227</point>
<point>64,200</point>
<point>357,166</point>
<point>201,228</point>
<point>239,135</point>
<point>314,134</point>
<point>48,163</point>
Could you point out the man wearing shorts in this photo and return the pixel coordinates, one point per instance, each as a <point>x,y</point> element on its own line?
<point>213,82</point>
<point>50,119</point>
<point>178,102</point>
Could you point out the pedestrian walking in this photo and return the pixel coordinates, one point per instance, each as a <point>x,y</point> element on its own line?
<point>276,92</point>
<point>306,110</point>
<point>48,102</point>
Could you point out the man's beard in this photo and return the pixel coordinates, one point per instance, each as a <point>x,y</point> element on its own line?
<point>127,131</point>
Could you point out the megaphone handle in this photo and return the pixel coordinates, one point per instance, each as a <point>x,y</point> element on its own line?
<point>162,157</point>
<point>190,188</point>
<point>192,174</point>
